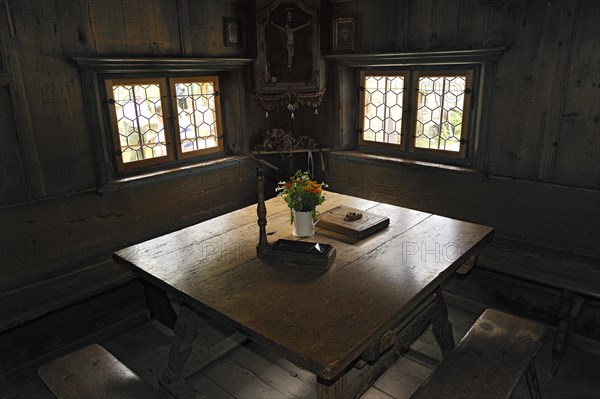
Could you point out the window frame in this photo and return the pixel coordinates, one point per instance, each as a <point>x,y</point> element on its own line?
<point>407,146</point>
<point>347,121</point>
<point>93,72</point>
<point>405,100</point>
<point>111,110</point>
<point>467,107</point>
<point>189,79</point>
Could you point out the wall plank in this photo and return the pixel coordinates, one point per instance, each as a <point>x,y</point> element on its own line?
<point>533,82</point>
<point>578,151</point>
<point>553,216</point>
<point>45,239</point>
<point>13,185</point>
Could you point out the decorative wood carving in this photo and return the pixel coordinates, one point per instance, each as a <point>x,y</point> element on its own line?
<point>288,47</point>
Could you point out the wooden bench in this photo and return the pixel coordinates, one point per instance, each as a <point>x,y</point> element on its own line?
<point>27,303</point>
<point>31,302</point>
<point>489,361</point>
<point>578,277</point>
<point>93,372</point>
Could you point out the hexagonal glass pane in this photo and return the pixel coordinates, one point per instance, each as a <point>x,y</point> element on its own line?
<point>383,102</point>
<point>440,112</point>
<point>197,115</point>
<point>138,110</point>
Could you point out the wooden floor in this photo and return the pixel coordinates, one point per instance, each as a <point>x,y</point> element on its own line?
<point>253,373</point>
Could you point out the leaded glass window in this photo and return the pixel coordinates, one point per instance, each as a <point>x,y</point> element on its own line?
<point>417,111</point>
<point>144,130</point>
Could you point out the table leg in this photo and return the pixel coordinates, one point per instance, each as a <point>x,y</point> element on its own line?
<point>334,389</point>
<point>442,329</point>
<point>186,330</point>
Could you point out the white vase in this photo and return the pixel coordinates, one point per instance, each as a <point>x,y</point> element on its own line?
<point>304,226</point>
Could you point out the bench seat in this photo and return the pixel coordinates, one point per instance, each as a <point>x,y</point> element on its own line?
<point>577,276</point>
<point>489,361</point>
<point>27,303</point>
<point>93,372</point>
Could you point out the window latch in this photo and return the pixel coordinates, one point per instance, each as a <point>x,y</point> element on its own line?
<point>464,141</point>
<point>111,101</point>
<point>361,88</point>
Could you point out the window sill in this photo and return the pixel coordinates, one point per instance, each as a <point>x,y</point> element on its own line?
<point>180,172</point>
<point>384,160</point>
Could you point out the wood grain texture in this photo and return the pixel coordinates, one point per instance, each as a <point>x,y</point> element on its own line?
<point>550,267</point>
<point>517,209</point>
<point>335,220</point>
<point>387,273</point>
<point>92,372</point>
<point>27,346</point>
<point>25,304</point>
<point>489,361</point>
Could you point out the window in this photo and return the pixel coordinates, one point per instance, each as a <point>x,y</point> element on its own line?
<point>156,120</point>
<point>417,111</point>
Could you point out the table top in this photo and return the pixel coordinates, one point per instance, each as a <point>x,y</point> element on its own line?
<point>320,319</point>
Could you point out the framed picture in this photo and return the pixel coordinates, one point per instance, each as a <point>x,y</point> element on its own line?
<point>288,47</point>
<point>343,34</point>
<point>232,32</point>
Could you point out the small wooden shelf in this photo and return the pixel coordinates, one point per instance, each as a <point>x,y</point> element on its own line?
<point>300,150</point>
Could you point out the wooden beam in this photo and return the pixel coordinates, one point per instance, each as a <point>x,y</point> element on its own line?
<point>183,16</point>
<point>553,122</point>
<point>20,107</point>
<point>5,79</point>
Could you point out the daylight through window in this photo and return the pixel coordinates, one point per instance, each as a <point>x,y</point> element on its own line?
<point>417,111</point>
<point>145,133</point>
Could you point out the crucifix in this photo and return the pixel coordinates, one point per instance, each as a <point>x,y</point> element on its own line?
<point>289,35</point>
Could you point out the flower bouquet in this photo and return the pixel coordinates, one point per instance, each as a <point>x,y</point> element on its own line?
<point>301,194</point>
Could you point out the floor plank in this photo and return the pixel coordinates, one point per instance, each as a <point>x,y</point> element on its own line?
<point>252,372</point>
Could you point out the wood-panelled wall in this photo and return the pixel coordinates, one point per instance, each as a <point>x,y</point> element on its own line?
<point>543,145</point>
<point>52,220</point>
<point>542,177</point>
<point>546,104</point>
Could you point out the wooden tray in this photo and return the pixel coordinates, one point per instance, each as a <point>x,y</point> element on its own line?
<point>370,223</point>
<point>299,253</point>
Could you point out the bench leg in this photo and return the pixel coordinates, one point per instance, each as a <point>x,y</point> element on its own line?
<point>532,381</point>
<point>441,327</point>
<point>569,309</point>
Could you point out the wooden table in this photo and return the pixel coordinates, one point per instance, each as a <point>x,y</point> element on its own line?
<point>345,324</point>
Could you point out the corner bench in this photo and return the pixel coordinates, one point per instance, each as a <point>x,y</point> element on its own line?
<point>576,276</point>
<point>93,372</point>
<point>30,302</point>
<point>489,361</point>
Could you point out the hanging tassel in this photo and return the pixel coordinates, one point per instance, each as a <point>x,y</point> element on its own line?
<point>292,115</point>
<point>266,114</point>
<point>316,111</point>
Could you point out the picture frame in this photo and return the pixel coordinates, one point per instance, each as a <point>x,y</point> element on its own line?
<point>343,34</point>
<point>288,47</point>
<point>232,32</point>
